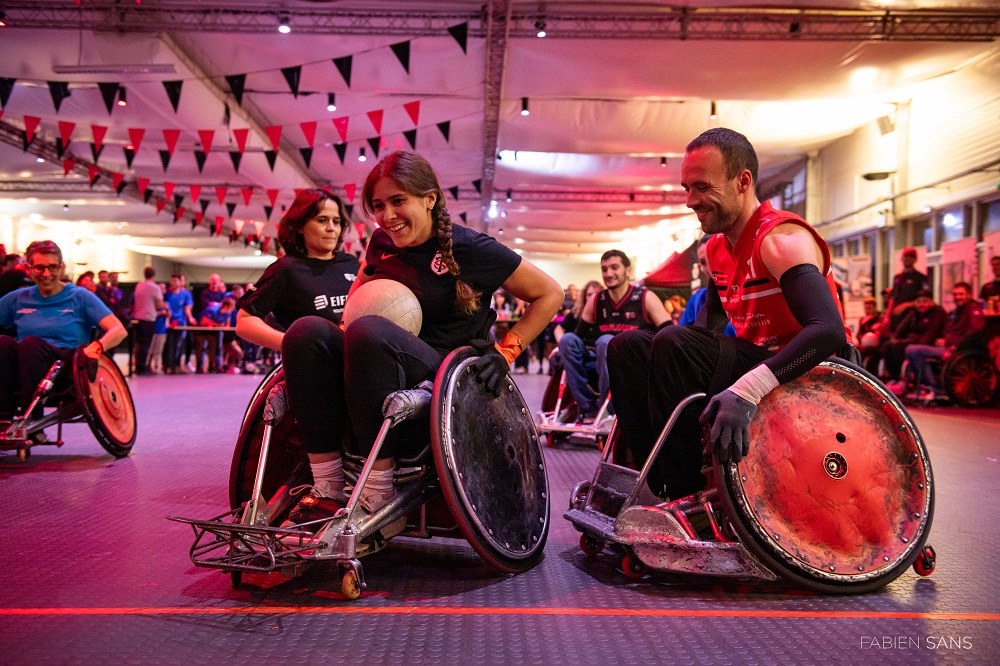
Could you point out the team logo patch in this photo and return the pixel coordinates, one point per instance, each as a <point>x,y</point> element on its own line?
<point>320,302</point>
<point>350,277</point>
<point>438,266</point>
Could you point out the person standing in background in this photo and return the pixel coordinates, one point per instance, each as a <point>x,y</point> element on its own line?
<point>147,301</point>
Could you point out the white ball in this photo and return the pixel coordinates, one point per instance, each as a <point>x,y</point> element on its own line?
<point>385,298</point>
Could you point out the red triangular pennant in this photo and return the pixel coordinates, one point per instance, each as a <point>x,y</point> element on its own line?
<point>341,125</point>
<point>413,108</point>
<point>143,184</point>
<point>116,179</point>
<point>272,196</point>
<point>30,125</point>
<point>349,191</point>
<point>360,228</point>
<point>220,194</point>
<point>171,136</point>
<point>135,135</point>
<point>259,226</point>
<point>376,118</point>
<point>241,138</point>
<point>218,224</point>
<point>168,190</point>
<point>198,217</point>
<point>68,166</point>
<point>298,191</point>
<point>309,131</point>
<point>274,134</point>
<point>195,192</point>
<point>265,243</point>
<point>247,192</point>
<point>66,131</point>
<point>238,225</point>
<point>160,203</point>
<point>99,132</point>
<point>93,171</point>
<point>206,137</point>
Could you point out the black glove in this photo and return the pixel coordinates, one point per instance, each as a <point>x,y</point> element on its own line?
<point>491,367</point>
<point>731,427</point>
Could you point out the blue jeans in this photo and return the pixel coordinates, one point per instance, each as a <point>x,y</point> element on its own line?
<point>578,361</point>
<point>918,355</point>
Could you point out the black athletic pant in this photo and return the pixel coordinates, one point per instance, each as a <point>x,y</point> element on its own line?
<point>22,365</point>
<point>313,359</point>
<point>650,374</point>
<point>383,358</point>
<point>143,332</point>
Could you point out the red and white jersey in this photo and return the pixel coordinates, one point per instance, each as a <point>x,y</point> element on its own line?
<point>751,296</point>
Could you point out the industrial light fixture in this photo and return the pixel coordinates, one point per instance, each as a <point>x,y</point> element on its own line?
<point>361,155</point>
<point>509,194</point>
<point>524,106</point>
<point>121,97</point>
<point>283,26</point>
<point>39,159</point>
<point>713,114</point>
<point>540,27</point>
<point>65,206</point>
<point>877,175</point>
<point>331,101</point>
<point>663,162</point>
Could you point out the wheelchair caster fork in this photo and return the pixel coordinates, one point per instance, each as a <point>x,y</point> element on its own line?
<point>924,564</point>
<point>352,579</point>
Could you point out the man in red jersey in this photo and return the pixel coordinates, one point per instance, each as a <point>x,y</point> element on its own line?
<point>771,278</point>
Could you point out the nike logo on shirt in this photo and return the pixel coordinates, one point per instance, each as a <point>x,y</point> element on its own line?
<point>387,255</point>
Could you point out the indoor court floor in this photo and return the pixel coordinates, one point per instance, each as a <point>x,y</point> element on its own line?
<point>94,573</point>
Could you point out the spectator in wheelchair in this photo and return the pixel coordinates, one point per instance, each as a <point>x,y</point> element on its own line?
<point>922,325</point>
<point>620,307</point>
<point>52,320</point>
<point>771,277</point>
<point>304,293</point>
<point>453,271</point>
<point>965,320</point>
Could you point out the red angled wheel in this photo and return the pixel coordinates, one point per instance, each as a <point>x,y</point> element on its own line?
<point>633,568</point>
<point>924,564</point>
<point>590,545</point>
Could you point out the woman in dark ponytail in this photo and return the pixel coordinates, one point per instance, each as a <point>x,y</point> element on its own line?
<point>453,271</point>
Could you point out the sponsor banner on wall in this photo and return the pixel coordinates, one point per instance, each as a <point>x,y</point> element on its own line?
<point>958,264</point>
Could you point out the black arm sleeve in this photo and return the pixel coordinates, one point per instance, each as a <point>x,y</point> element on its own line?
<point>822,335</point>
<point>583,329</point>
<point>712,315</point>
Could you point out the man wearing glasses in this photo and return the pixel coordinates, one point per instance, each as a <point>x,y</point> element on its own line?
<point>52,319</point>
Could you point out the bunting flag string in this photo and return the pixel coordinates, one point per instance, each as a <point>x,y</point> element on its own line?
<point>170,136</point>
<point>218,225</point>
<point>93,173</point>
<point>259,227</point>
<point>168,189</point>
<point>402,51</point>
<point>118,181</point>
<point>109,92</point>
<point>272,196</point>
<point>68,166</point>
<point>238,225</point>
<point>143,185</point>
<point>461,34</point>
<point>309,132</point>
<point>129,156</point>
<point>59,91</point>
<point>413,110</point>
<point>349,190</point>
<point>174,92</point>
<point>199,157</point>
<point>195,192</point>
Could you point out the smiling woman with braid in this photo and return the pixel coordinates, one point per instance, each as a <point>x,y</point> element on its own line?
<point>453,271</point>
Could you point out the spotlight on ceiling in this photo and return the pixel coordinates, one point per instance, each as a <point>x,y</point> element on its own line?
<point>713,113</point>
<point>121,97</point>
<point>361,155</point>
<point>65,206</point>
<point>331,102</point>
<point>663,162</point>
<point>283,26</point>
<point>540,27</point>
<point>524,106</point>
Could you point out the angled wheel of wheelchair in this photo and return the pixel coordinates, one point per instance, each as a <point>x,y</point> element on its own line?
<point>836,494</point>
<point>490,465</point>
<point>287,462</point>
<point>106,402</point>
<point>970,379</point>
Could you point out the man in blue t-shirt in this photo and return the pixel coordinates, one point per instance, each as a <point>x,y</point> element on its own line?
<point>52,319</point>
<point>180,303</point>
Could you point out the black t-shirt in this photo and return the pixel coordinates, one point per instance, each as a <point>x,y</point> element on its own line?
<point>906,285</point>
<point>485,264</point>
<point>295,287</point>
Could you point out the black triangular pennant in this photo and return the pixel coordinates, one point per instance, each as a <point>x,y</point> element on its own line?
<point>147,195</point>
<point>411,137</point>
<point>236,156</point>
<point>129,156</point>
<point>445,128</point>
<point>292,75</point>
<point>402,51</point>
<point>233,236</point>
<point>375,142</point>
<point>461,34</point>
<point>194,224</point>
<point>6,88</point>
<point>227,115</point>
<point>165,158</point>
<point>231,207</point>
<point>24,139</point>
<point>454,192</point>
<point>478,184</point>
<point>464,217</point>
<point>204,204</point>
<point>349,209</point>
<point>59,91</point>
<point>236,83</point>
<point>60,149</point>
<point>267,212</point>
<point>95,151</point>
<point>174,92</point>
<point>344,65</point>
<point>199,157</point>
<point>178,199</point>
<point>121,186</point>
<point>307,155</point>
<point>272,157</point>
<point>109,91</point>
<point>341,149</point>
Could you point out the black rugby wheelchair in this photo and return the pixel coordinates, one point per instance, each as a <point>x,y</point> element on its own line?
<point>836,495</point>
<point>968,376</point>
<point>558,418</point>
<point>481,477</point>
<point>84,389</point>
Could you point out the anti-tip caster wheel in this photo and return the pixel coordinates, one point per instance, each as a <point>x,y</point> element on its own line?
<point>350,585</point>
<point>924,564</point>
<point>591,546</point>
<point>23,453</point>
<point>633,568</point>
<point>237,578</point>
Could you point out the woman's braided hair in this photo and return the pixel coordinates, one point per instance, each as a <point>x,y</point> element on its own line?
<point>414,175</point>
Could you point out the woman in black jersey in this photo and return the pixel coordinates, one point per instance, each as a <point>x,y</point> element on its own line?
<point>305,291</point>
<point>453,271</point>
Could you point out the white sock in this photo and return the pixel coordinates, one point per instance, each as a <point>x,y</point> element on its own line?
<point>328,477</point>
